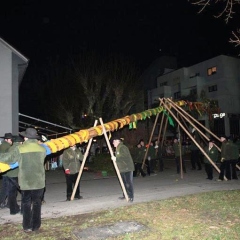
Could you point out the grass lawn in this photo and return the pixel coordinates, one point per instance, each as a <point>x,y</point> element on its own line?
<point>211,216</point>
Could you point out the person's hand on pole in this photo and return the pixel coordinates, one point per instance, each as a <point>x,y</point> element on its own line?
<point>113,158</point>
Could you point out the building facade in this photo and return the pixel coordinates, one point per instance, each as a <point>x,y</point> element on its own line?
<point>218,78</point>
<point>12,68</point>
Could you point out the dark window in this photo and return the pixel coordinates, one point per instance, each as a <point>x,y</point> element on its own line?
<point>177,95</point>
<point>234,126</point>
<point>193,91</point>
<point>212,88</point>
<point>219,127</point>
<point>163,84</point>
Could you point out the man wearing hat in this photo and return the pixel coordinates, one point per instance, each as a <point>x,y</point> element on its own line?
<point>5,145</point>
<point>30,156</point>
<point>125,165</point>
<point>212,153</point>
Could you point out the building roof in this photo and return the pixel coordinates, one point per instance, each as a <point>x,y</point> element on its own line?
<point>14,50</point>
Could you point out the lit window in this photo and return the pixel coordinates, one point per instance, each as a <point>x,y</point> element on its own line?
<point>211,71</point>
<point>212,88</point>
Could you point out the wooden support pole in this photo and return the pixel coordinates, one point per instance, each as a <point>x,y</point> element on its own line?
<point>150,139</point>
<point>82,165</point>
<point>186,131</point>
<point>160,129</point>
<point>114,162</point>
<point>164,131</point>
<point>180,150</point>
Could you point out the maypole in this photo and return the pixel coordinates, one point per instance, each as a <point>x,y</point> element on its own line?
<point>190,136</point>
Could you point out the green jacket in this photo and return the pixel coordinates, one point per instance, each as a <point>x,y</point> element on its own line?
<point>13,172</point>
<point>30,156</point>
<point>193,146</point>
<point>212,153</point>
<point>152,152</point>
<point>138,154</point>
<point>124,159</point>
<point>71,160</point>
<point>226,149</point>
<point>234,151</point>
<point>176,148</point>
<point>4,146</point>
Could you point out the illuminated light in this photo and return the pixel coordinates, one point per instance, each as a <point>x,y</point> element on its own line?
<point>221,115</point>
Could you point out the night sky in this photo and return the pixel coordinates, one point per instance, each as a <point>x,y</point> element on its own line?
<point>142,30</point>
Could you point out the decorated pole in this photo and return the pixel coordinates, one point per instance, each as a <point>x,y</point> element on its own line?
<point>215,166</point>
<point>194,120</point>
<point>82,165</point>
<point>188,119</point>
<point>114,162</point>
<point>204,153</point>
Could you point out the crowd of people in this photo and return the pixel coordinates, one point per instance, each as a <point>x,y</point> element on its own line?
<point>27,157</point>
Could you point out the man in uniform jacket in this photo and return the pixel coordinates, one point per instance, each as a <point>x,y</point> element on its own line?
<point>5,145</point>
<point>31,177</point>
<point>195,154</point>
<point>234,158</point>
<point>71,163</point>
<point>138,155</point>
<point>125,165</point>
<point>159,156</point>
<point>178,152</point>
<point>212,152</point>
<point>12,175</point>
<point>151,158</point>
<point>225,159</point>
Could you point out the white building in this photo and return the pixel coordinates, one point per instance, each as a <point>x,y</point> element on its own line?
<point>218,77</point>
<point>12,68</point>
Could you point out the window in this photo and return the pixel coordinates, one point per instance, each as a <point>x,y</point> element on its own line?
<point>177,95</point>
<point>195,75</point>
<point>211,71</point>
<point>163,84</point>
<point>212,88</point>
<point>193,91</point>
<point>219,127</point>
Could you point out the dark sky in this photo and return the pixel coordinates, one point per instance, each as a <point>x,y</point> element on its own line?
<point>140,29</point>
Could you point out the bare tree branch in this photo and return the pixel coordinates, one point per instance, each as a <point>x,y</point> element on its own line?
<point>227,12</point>
<point>236,38</point>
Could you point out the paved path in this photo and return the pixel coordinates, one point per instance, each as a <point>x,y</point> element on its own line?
<point>102,193</point>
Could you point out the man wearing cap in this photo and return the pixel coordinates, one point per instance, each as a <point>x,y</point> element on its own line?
<point>125,165</point>
<point>212,153</point>
<point>30,156</point>
<point>5,145</point>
